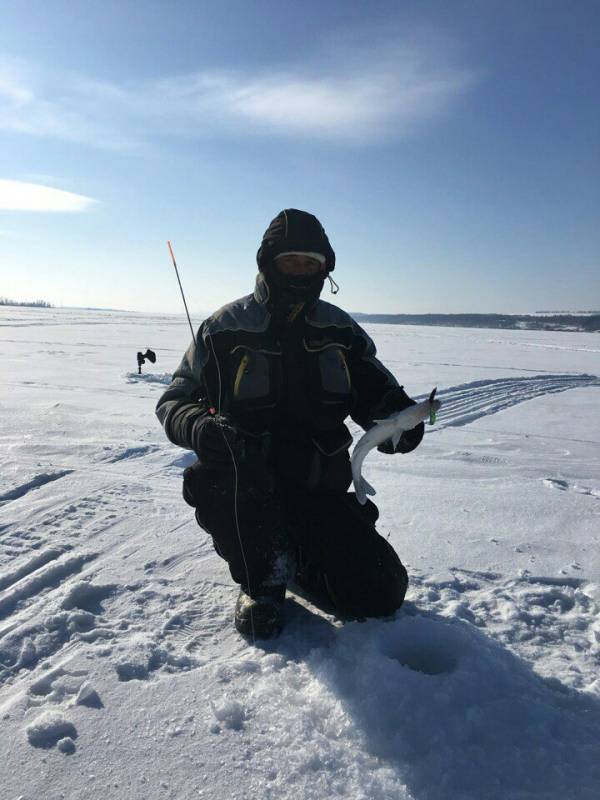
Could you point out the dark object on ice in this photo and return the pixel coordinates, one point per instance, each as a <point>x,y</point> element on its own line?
<point>260,616</point>
<point>150,355</point>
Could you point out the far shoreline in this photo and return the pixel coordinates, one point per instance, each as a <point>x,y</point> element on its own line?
<point>564,322</point>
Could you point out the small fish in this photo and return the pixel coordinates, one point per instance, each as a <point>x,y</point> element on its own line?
<point>391,428</point>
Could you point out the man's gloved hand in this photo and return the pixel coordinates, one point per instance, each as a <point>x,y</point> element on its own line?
<point>408,441</point>
<point>214,439</point>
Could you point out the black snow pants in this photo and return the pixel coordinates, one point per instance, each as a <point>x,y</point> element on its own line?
<point>271,534</point>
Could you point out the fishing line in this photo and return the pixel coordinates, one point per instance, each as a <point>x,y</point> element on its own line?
<point>235,467</point>
<point>235,488</point>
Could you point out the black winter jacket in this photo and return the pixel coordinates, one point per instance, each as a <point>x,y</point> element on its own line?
<point>287,387</point>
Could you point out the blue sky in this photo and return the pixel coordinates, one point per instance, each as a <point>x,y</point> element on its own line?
<point>451,149</point>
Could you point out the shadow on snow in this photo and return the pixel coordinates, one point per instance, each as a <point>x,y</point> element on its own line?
<point>454,712</point>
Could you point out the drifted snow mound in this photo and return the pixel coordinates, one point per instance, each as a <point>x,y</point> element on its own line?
<point>418,707</point>
<point>163,378</point>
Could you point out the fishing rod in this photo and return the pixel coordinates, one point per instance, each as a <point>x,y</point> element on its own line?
<point>181,289</point>
<point>218,411</point>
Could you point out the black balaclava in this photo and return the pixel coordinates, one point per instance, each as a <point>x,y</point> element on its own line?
<point>299,232</point>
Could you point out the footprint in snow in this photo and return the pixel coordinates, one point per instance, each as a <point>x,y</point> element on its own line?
<point>52,728</point>
<point>88,596</point>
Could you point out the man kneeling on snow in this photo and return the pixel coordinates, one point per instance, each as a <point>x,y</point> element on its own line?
<point>261,397</point>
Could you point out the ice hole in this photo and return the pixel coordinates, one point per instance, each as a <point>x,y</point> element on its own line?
<point>426,659</point>
<point>426,646</point>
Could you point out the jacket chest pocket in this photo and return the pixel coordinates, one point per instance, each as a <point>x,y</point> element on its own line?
<point>332,372</point>
<point>255,376</point>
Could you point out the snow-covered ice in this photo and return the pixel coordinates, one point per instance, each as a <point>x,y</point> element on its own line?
<point>117,647</point>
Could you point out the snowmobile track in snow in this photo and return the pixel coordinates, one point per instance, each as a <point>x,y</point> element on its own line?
<point>47,576</point>
<point>470,401</point>
<point>34,483</point>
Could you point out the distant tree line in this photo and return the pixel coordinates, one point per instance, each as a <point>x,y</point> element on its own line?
<point>560,322</point>
<point>5,301</point>
<point>587,313</point>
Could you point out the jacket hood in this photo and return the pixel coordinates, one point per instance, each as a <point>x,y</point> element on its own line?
<point>296,231</point>
<point>261,290</point>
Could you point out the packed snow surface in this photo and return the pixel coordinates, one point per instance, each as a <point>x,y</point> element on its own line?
<point>121,675</point>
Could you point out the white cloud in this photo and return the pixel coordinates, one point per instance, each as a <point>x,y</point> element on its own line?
<point>357,94</point>
<point>21,196</point>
